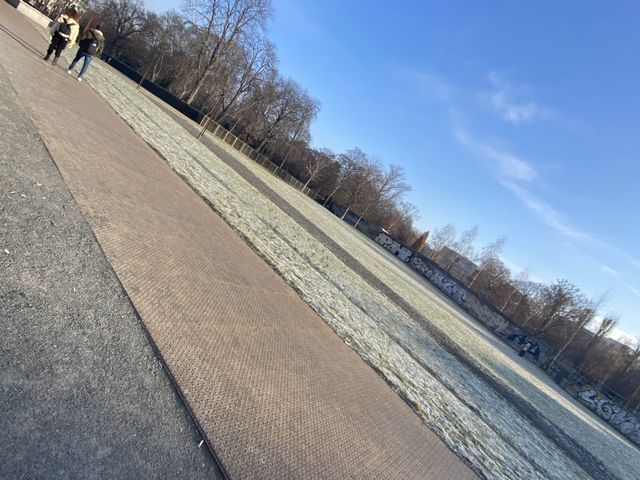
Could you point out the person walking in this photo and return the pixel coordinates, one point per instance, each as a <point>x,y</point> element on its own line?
<point>64,32</point>
<point>91,43</point>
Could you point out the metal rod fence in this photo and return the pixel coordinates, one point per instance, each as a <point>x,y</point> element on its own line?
<point>217,130</point>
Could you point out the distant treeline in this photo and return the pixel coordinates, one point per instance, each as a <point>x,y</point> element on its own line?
<point>558,313</point>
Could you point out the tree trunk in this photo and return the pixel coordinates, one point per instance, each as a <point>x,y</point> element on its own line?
<point>508,299</point>
<point>475,277</point>
<point>196,89</point>
<point>362,216</point>
<point>526,322</point>
<point>331,195</point>
<point>286,154</point>
<point>608,375</point>
<point>564,347</point>
<point>627,404</point>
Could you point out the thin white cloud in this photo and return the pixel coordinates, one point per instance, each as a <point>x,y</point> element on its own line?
<point>549,215</point>
<point>505,165</point>
<point>428,85</point>
<point>614,273</point>
<point>512,171</point>
<point>501,100</point>
<point>622,254</point>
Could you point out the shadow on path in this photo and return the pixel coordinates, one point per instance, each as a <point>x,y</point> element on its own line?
<point>22,43</point>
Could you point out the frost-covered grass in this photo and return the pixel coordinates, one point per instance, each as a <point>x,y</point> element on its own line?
<point>490,353</point>
<point>463,410</point>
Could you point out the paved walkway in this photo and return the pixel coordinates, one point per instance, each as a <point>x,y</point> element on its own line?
<point>81,388</point>
<point>277,392</point>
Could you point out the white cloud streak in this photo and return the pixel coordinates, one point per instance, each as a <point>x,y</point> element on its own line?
<point>614,273</point>
<point>618,276</point>
<point>510,170</point>
<point>506,165</point>
<point>428,85</point>
<point>500,98</point>
<point>545,212</point>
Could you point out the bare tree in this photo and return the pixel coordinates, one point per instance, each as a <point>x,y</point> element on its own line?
<point>158,47</point>
<point>632,397</point>
<point>521,280</point>
<point>585,312</point>
<point>555,304</point>
<point>388,186</point>
<point>306,114</point>
<point>442,237</point>
<point>220,24</point>
<point>463,245</point>
<point>631,358</point>
<point>251,63</point>
<point>526,308</point>
<point>122,19</point>
<point>605,327</point>
<point>492,280</point>
<point>357,183</point>
<point>491,250</point>
<point>614,365</point>
<point>359,187</point>
<point>315,163</point>
<point>348,161</point>
<point>282,110</point>
<point>402,212</point>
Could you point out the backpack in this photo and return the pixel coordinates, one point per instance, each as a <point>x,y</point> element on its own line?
<point>90,45</point>
<point>64,31</point>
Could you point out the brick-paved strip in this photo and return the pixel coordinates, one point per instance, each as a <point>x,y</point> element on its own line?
<point>82,394</point>
<point>276,391</point>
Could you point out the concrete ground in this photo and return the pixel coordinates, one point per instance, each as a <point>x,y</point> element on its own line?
<point>82,393</point>
<point>276,392</point>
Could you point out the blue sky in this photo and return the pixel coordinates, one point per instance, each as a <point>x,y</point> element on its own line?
<point>519,117</point>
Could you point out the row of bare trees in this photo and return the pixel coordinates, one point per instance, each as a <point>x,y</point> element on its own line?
<point>216,56</point>
<point>558,313</point>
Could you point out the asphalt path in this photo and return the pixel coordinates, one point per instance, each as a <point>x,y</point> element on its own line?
<point>82,392</point>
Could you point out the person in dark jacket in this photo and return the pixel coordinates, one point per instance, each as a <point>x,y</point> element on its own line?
<point>91,43</point>
<point>64,32</point>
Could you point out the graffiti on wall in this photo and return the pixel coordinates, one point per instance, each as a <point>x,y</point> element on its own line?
<point>395,247</point>
<point>480,310</point>
<point>613,413</point>
<point>440,279</point>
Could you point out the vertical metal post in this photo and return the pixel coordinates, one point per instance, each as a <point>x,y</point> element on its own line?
<point>204,127</point>
<point>150,67</point>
